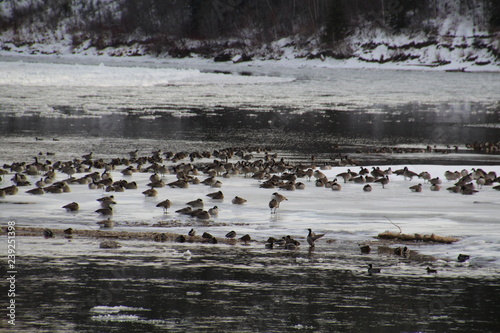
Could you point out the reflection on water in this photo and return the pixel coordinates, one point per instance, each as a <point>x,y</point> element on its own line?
<point>237,289</point>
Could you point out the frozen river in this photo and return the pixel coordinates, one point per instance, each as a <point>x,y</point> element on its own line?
<point>306,115</point>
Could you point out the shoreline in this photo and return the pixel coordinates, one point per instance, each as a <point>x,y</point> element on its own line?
<point>283,63</point>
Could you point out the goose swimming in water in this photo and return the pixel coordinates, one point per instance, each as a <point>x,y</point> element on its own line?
<point>372,270</point>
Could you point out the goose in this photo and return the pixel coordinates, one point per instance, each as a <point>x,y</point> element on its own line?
<point>180,239</point>
<point>179,184</point>
<point>290,186</point>
<point>206,235</point>
<point>36,191</point>
<point>425,176</point>
<point>40,183</point>
<point>321,182</point>
<point>185,211</point>
<point>289,240</point>
<point>454,189</point>
<point>72,207</point>
<point>133,154</point>
<point>246,238</point>
<point>150,193</point>
<point>409,174</point>
<point>279,197</point>
<point>358,180</point>
<point>203,215</point>
<point>154,178</point>
<point>231,234</point>
<point>401,251</point>
<point>435,181</point>
<point>192,233</point>
<point>336,186</point>
<point>131,185</point>
<point>365,249</point>
<point>372,270</point>
<point>108,223</point>
<point>363,171</point>
<point>377,173</point>
<point>480,181</point>
<point>88,156</point>
<point>214,211</point>
<point>216,195</point>
<point>308,174</point>
<point>217,184</point>
<point>157,184</point>
<point>128,171</point>
<point>492,175</point>
<point>467,190</point>
<point>198,203</point>
<point>47,233</point>
<point>165,204</point>
<point>416,188</point>
<point>208,181</point>
<point>312,237</point>
<point>300,186</point>
<point>431,271</point>
<point>435,187</point>
<point>106,201</point>
<point>450,175</point>
<point>369,179</point>
<point>345,175</point>
<point>274,205</point>
<point>105,211</point>
<point>383,180</point>
<point>367,188</point>
<point>238,200</point>
<point>109,244</point>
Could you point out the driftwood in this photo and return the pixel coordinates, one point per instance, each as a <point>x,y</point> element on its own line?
<point>118,235</point>
<point>417,237</point>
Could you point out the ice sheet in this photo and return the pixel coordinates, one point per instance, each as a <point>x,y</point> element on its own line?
<point>350,215</point>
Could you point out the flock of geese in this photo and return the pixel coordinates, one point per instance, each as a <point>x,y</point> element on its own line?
<point>270,171</point>
<point>272,174</point>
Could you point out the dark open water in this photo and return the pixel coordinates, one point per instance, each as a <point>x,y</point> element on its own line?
<point>235,289</point>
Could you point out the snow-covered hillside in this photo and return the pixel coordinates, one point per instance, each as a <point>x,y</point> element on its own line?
<point>446,34</point>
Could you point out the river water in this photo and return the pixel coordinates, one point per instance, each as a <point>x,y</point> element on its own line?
<point>112,108</point>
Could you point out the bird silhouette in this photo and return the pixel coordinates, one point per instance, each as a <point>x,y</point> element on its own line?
<point>312,237</point>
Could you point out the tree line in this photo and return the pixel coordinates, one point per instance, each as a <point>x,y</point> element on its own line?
<point>163,23</point>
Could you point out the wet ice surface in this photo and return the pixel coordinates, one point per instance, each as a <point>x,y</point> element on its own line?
<point>350,214</point>
<point>73,285</point>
